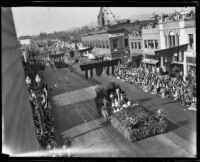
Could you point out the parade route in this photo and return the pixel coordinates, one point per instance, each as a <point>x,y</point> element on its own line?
<point>92,136</point>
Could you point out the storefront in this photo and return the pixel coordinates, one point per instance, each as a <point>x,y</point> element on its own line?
<point>150,64</point>
<point>191,64</point>
<point>173,59</point>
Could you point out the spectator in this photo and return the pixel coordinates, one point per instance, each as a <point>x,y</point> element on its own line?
<point>164,85</point>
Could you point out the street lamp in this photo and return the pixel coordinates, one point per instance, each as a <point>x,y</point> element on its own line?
<point>37,79</point>
<point>28,81</point>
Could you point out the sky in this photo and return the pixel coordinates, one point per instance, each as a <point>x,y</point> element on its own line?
<point>33,20</point>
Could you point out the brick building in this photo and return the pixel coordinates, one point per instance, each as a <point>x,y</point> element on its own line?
<point>113,42</point>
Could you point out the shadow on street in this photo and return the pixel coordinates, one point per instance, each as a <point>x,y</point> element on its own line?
<point>172,126</point>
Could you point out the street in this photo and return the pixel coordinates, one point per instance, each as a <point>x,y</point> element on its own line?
<point>75,116</point>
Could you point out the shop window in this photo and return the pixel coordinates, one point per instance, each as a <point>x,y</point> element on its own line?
<point>191,40</point>
<point>180,57</point>
<point>139,45</point>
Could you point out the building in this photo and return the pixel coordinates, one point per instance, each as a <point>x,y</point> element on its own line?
<point>113,42</point>
<point>151,43</point>
<point>25,40</point>
<point>178,43</point>
<point>136,46</point>
<point>98,40</point>
<point>18,129</point>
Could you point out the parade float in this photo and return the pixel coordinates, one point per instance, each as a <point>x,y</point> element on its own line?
<point>131,119</point>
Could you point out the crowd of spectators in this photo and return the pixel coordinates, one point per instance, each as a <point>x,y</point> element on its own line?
<point>167,87</point>
<point>38,96</point>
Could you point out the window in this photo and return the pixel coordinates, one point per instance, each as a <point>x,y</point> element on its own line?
<point>165,41</point>
<point>180,57</point>
<point>150,44</point>
<point>156,44</point>
<point>99,42</point>
<point>145,43</point>
<point>103,44</point>
<point>135,45</point>
<point>132,45</point>
<point>126,42</point>
<point>191,40</point>
<point>115,43</point>
<point>177,40</point>
<point>107,44</point>
<point>173,37</point>
<point>139,45</point>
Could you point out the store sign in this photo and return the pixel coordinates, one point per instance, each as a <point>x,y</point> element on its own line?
<point>116,35</point>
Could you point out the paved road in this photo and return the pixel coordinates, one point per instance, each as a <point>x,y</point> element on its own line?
<point>176,112</point>
<point>78,118</point>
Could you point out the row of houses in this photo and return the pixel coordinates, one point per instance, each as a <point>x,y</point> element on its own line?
<point>167,43</point>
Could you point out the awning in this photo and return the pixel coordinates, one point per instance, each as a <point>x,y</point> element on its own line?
<point>150,61</point>
<point>171,51</point>
<point>85,49</point>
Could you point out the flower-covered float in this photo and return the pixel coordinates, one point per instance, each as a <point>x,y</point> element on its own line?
<point>131,119</point>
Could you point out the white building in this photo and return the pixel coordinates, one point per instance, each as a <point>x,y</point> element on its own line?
<point>25,40</point>
<point>178,43</point>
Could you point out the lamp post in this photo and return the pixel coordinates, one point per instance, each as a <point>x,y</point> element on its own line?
<point>28,81</point>
<point>38,79</point>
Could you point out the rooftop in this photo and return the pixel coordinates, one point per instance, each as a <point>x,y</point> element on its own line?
<point>177,16</point>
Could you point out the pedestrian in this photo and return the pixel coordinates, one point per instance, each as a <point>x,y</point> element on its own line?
<point>104,110</point>
<point>52,64</point>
